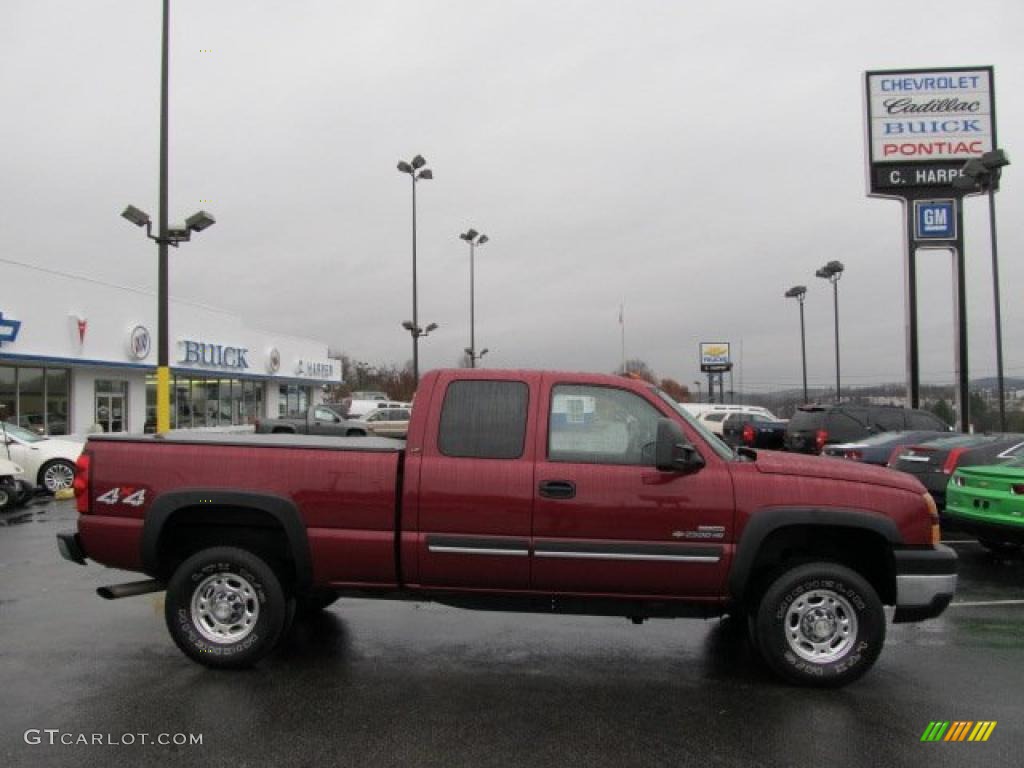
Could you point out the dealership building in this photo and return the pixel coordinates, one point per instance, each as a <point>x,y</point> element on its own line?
<point>77,352</point>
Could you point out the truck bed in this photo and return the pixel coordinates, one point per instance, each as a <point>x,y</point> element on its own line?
<point>343,492</point>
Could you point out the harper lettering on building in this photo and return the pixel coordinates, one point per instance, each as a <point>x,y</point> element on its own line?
<point>213,355</point>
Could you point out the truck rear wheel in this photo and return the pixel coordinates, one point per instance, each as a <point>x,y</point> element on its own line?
<point>820,624</point>
<point>225,608</point>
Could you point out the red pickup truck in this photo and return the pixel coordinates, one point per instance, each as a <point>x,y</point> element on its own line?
<point>517,490</point>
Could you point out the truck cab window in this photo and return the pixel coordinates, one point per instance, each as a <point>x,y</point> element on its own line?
<point>325,414</point>
<point>484,419</point>
<point>601,425</point>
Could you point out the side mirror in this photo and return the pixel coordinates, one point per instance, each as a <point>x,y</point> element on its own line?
<point>672,452</point>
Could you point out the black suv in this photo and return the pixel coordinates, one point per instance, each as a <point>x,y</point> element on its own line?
<point>815,426</point>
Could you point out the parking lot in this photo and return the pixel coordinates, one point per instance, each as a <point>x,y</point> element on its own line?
<point>380,683</point>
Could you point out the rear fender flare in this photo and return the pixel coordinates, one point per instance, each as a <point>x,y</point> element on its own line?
<point>280,508</point>
<point>764,522</point>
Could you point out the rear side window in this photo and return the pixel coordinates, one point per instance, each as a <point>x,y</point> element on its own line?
<point>484,419</point>
<point>888,419</point>
<point>845,426</point>
<point>924,420</point>
<point>715,417</point>
<point>806,421</point>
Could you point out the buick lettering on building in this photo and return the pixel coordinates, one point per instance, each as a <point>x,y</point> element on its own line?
<point>213,355</point>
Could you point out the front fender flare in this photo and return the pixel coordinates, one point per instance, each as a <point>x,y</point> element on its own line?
<point>766,521</point>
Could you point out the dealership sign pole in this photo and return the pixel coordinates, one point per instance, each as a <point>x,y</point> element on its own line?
<point>922,125</point>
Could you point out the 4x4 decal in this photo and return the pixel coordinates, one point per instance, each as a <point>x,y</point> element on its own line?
<point>123,495</point>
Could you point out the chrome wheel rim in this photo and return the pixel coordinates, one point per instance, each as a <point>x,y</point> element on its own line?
<point>821,626</point>
<point>58,477</point>
<point>225,608</point>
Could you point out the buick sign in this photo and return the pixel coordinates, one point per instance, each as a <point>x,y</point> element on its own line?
<point>139,343</point>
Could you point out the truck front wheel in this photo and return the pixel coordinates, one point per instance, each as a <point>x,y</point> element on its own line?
<point>820,624</point>
<point>225,608</point>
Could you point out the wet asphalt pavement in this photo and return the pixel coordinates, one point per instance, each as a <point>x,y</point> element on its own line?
<point>372,683</point>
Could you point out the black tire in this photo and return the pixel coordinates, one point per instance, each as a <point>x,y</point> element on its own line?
<point>8,497</point>
<point>355,433</point>
<point>53,475</point>
<point>997,547</point>
<point>823,597</point>
<point>247,586</point>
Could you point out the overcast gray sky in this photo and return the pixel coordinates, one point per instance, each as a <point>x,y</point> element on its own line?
<point>692,160</point>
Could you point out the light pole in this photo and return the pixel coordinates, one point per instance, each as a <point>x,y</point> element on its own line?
<point>832,272</point>
<point>165,236</point>
<point>416,172</point>
<point>982,175</point>
<point>416,332</point>
<point>474,239</point>
<point>697,382</point>
<point>799,292</point>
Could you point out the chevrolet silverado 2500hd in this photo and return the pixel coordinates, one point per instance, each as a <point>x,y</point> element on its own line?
<point>517,490</point>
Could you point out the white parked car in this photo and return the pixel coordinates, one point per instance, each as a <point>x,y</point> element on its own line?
<point>48,461</point>
<point>388,422</point>
<point>358,409</point>
<point>713,417</point>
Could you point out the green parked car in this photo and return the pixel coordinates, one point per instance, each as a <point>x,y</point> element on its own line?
<point>988,501</point>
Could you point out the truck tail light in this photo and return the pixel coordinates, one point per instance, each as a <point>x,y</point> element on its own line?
<point>933,513</point>
<point>748,434</point>
<point>820,438</point>
<point>951,460</point>
<point>1017,489</point>
<point>894,456</point>
<point>81,484</point>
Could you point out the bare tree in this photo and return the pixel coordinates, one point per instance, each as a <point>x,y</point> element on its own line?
<point>638,369</point>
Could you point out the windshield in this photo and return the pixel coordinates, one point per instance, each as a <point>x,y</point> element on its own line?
<point>22,434</point>
<point>710,437</point>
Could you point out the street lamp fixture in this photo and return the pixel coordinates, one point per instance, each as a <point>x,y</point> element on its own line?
<point>135,216</point>
<point>173,236</point>
<point>832,271</point>
<point>197,222</point>
<point>416,173</point>
<point>418,332</point>
<point>981,174</point>
<point>799,292</point>
<point>474,239</point>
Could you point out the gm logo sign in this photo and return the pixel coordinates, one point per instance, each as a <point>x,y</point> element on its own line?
<point>935,219</point>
